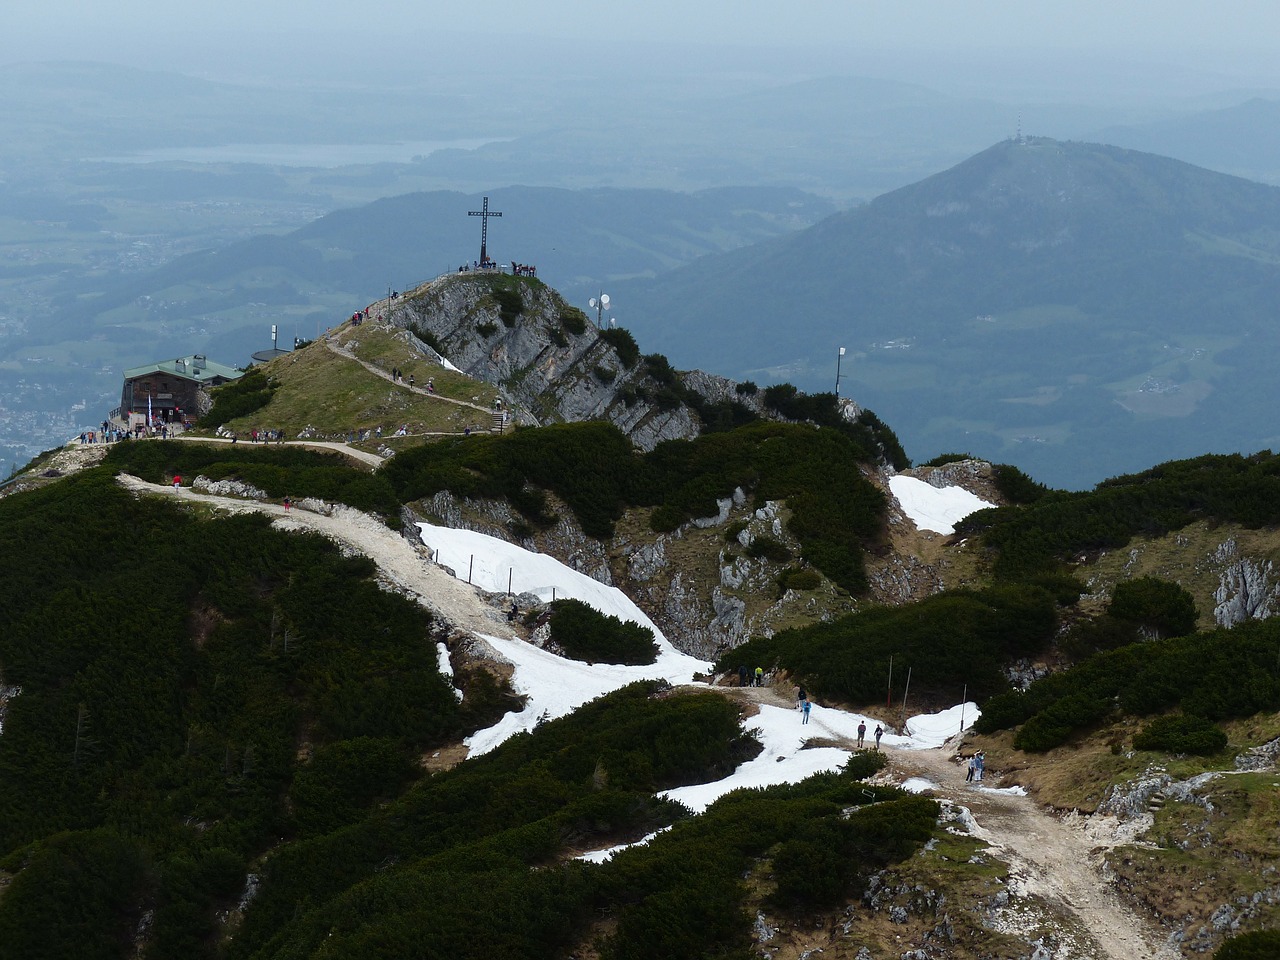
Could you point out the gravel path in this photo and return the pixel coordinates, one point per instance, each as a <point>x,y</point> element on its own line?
<point>1059,860</point>
<point>1050,858</point>
<point>401,563</point>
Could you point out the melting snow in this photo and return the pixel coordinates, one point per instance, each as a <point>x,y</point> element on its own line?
<point>554,686</point>
<point>934,508</point>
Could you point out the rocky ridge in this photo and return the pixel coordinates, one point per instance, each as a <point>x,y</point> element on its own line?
<point>552,363</point>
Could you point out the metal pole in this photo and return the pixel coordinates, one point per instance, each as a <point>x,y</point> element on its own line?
<point>888,697</point>
<point>510,571</point>
<point>963,697</point>
<point>839,357</point>
<point>905,691</point>
<point>471,567</point>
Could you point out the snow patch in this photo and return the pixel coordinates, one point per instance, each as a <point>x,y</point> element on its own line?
<point>918,785</point>
<point>934,508</point>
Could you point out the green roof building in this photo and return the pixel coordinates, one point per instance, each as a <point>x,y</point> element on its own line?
<point>171,389</point>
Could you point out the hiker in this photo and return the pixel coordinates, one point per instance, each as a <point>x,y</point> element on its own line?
<point>972,766</point>
<point>801,698</point>
<point>862,732</point>
<point>759,676</point>
<point>177,481</point>
<point>804,708</point>
<point>513,612</point>
<point>742,675</point>
<point>287,504</point>
<point>879,734</point>
<point>979,765</point>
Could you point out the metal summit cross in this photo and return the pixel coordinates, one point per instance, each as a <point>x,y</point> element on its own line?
<point>484,214</point>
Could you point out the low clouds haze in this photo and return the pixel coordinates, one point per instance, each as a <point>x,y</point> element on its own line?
<point>1229,38</point>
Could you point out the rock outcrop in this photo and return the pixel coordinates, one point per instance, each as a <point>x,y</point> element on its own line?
<point>553,364</point>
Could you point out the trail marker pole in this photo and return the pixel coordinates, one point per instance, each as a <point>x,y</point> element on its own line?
<point>888,697</point>
<point>905,691</point>
<point>471,567</point>
<point>963,697</point>
<point>510,571</point>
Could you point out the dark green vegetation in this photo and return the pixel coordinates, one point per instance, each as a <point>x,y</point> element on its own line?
<point>279,471</point>
<point>1259,945</point>
<point>822,409</point>
<point>1140,609</point>
<point>240,398</point>
<point>583,633</point>
<point>1057,528</point>
<point>835,513</point>
<point>202,699</point>
<point>949,641</point>
<point>170,668</point>
<point>424,876</point>
<point>668,392</point>
<point>1181,733</point>
<point>1074,308</point>
<point>1216,675</point>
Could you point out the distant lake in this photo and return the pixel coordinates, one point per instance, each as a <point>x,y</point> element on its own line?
<point>303,154</point>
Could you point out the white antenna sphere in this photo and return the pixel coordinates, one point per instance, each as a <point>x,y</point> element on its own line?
<point>592,303</point>
<point>604,300</point>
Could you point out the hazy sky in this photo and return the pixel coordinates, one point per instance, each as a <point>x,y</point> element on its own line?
<point>1138,25</point>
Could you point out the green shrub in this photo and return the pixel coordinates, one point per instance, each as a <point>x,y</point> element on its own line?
<point>804,579</point>
<point>595,470</point>
<point>1055,527</point>
<point>1258,945</point>
<point>746,388</point>
<point>239,398</point>
<point>430,339</point>
<point>948,641</point>
<point>573,320</point>
<point>510,303</point>
<point>624,344</point>
<point>1155,606</point>
<point>1054,726</point>
<point>943,459</point>
<point>78,895</point>
<point>1182,733</point>
<point>1015,486</point>
<point>340,781</point>
<point>1216,675</point>
<point>769,548</point>
<point>486,329</point>
<point>584,633</point>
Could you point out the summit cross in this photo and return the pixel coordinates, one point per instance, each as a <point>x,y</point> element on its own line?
<point>484,215</point>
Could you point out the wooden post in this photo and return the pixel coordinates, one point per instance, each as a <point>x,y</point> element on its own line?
<point>510,571</point>
<point>963,697</point>
<point>471,567</point>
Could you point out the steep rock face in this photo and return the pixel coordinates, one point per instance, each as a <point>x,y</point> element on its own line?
<point>548,358</point>
<point>701,586</point>
<point>1246,590</point>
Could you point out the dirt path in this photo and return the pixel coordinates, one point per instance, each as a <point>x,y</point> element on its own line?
<point>341,350</point>
<point>1050,858</point>
<point>402,563</point>
<point>364,456</point>
<point>1058,861</point>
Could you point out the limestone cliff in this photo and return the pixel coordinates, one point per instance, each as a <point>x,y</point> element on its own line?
<point>553,364</point>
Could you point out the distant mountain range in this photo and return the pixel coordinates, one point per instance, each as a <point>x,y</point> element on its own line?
<point>1241,139</point>
<point>1076,309</point>
<point>579,240</point>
